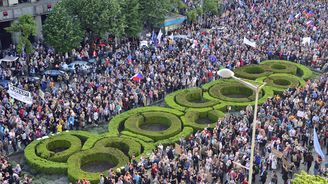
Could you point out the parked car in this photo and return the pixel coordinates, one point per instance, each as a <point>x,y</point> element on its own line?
<point>82,65</point>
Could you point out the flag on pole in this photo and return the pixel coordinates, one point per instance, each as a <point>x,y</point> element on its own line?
<point>154,38</point>
<point>159,36</point>
<point>309,23</point>
<point>129,59</point>
<point>137,77</point>
<point>316,144</point>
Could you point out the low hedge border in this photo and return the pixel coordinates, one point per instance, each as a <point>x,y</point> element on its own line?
<point>84,136</point>
<point>188,97</point>
<point>295,82</point>
<point>252,72</point>
<point>127,146</point>
<point>186,132</point>
<point>191,117</point>
<point>76,161</point>
<point>302,71</point>
<point>71,145</point>
<point>220,91</point>
<point>147,148</point>
<point>133,123</point>
<point>116,124</point>
<point>137,136</point>
<point>40,164</point>
<point>268,93</point>
<point>282,67</point>
<point>170,101</point>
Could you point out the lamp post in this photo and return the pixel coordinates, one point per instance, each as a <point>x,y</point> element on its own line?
<point>226,73</point>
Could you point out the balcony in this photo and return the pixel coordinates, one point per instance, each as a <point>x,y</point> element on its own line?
<point>41,7</point>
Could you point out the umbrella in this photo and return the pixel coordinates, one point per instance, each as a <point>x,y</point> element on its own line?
<point>4,83</point>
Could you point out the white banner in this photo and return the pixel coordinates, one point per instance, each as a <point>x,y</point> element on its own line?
<point>250,43</point>
<point>19,94</point>
<point>143,43</point>
<point>306,40</point>
<point>41,94</point>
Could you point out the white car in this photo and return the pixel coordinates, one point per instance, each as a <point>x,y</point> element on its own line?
<point>83,65</point>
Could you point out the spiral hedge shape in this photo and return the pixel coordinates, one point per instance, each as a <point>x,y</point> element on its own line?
<point>190,110</point>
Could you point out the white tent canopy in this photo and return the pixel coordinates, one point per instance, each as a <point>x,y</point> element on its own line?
<point>8,59</point>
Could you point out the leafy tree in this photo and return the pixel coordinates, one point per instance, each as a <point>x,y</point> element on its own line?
<point>132,17</point>
<point>153,12</point>
<point>304,178</point>
<point>192,15</point>
<point>211,6</point>
<point>98,17</point>
<point>26,26</point>
<point>61,30</point>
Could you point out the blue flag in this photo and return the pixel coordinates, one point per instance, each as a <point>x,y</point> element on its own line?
<point>316,144</point>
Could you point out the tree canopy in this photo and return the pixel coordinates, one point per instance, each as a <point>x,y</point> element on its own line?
<point>304,178</point>
<point>62,31</point>
<point>26,27</point>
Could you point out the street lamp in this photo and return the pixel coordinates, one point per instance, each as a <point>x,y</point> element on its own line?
<point>226,73</point>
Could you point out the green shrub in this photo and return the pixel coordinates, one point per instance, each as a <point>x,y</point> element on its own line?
<point>301,70</point>
<point>304,178</point>
<point>137,136</point>
<point>147,148</point>
<point>40,164</point>
<point>127,146</point>
<point>193,98</point>
<point>84,136</point>
<point>170,101</point>
<point>276,81</point>
<point>267,92</point>
<point>189,98</point>
<point>186,132</point>
<point>288,68</point>
<point>117,123</point>
<point>191,119</point>
<point>233,92</point>
<point>76,161</point>
<point>252,71</point>
<point>134,123</point>
<point>67,144</point>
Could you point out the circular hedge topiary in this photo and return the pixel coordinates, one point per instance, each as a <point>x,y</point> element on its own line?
<point>58,148</point>
<point>112,155</point>
<point>281,82</point>
<point>137,122</point>
<point>128,146</point>
<point>282,68</point>
<point>252,71</point>
<point>232,93</point>
<point>200,120</point>
<point>301,70</point>
<point>193,98</point>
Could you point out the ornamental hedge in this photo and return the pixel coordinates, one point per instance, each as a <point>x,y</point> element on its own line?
<point>112,155</point>
<point>301,70</point>
<point>58,148</point>
<point>281,82</point>
<point>172,122</point>
<point>252,71</point>
<point>200,120</point>
<point>130,134</point>
<point>128,146</point>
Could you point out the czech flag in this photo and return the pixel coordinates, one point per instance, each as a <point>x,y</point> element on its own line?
<point>137,77</point>
<point>309,23</point>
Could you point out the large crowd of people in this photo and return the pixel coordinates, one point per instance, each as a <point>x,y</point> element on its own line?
<point>222,154</point>
<point>187,57</point>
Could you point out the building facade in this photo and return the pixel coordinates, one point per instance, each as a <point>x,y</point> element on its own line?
<point>10,10</point>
